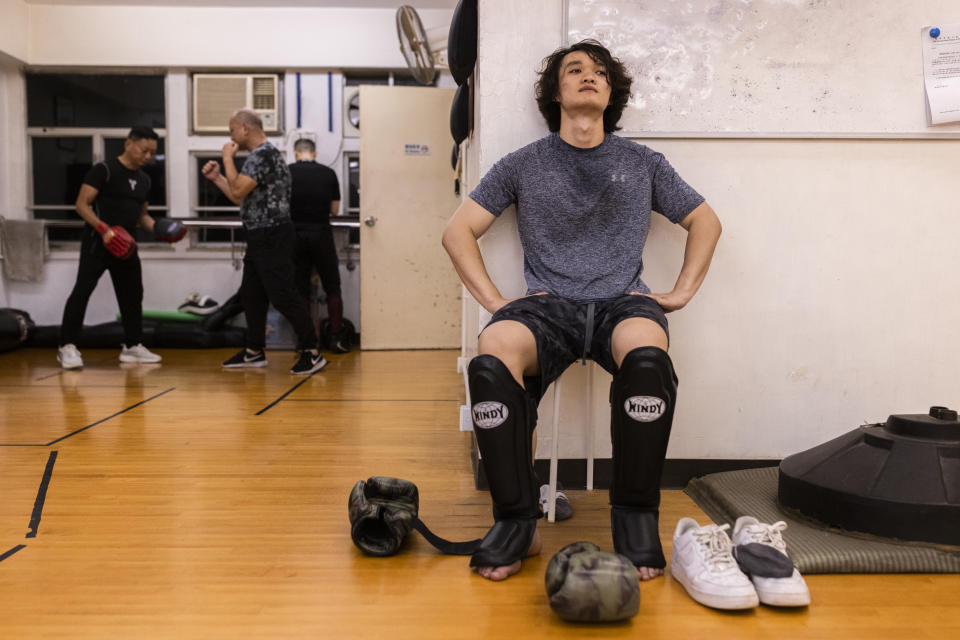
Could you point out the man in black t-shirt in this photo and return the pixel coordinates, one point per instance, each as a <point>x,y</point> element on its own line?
<point>113,202</point>
<point>314,197</point>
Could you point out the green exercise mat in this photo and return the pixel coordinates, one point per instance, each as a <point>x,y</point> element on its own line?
<point>172,316</point>
<point>814,548</point>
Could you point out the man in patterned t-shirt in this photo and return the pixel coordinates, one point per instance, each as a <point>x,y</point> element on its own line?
<point>262,189</point>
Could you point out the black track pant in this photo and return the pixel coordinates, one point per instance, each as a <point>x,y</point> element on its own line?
<point>268,278</point>
<point>127,285</point>
<point>317,250</point>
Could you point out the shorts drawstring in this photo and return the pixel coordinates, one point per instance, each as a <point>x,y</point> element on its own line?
<point>588,331</point>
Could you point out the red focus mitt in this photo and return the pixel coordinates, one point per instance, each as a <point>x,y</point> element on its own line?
<point>120,244</point>
<point>169,230</point>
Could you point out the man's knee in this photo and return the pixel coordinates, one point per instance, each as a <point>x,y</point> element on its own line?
<point>512,343</point>
<point>634,333</point>
<point>507,338</point>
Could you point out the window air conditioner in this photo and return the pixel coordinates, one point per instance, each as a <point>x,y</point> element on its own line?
<point>217,95</point>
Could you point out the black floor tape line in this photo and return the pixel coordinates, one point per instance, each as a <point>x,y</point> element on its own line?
<point>291,390</point>
<point>41,496</point>
<point>9,553</point>
<point>78,386</point>
<point>122,411</point>
<point>48,376</point>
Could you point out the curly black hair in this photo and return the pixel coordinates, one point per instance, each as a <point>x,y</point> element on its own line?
<point>548,84</point>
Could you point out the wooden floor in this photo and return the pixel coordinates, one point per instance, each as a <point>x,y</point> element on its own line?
<point>188,502</point>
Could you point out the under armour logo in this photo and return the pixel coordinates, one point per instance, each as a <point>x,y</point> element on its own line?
<point>618,178</point>
<point>133,183</point>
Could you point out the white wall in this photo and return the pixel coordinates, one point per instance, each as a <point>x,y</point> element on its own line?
<point>13,165</point>
<point>251,37</point>
<point>14,28</point>
<point>832,297</point>
<point>13,194</point>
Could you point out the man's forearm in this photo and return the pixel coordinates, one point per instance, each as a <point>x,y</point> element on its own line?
<point>702,239</point>
<point>231,175</point>
<point>229,169</point>
<point>224,186</point>
<point>87,213</point>
<point>465,254</point>
<point>146,220</point>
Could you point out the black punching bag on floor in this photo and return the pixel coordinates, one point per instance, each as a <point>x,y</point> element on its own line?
<point>15,328</point>
<point>898,479</point>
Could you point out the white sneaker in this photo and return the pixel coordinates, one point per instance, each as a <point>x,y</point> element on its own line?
<point>69,357</point>
<point>702,562</point>
<point>761,552</point>
<point>138,353</point>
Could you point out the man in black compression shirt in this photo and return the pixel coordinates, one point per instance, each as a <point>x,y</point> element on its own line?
<point>112,201</point>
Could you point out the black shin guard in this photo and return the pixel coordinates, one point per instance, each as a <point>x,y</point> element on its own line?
<point>504,417</point>
<point>642,398</point>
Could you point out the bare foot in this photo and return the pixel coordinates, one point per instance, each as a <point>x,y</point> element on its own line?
<point>502,573</point>
<point>648,573</point>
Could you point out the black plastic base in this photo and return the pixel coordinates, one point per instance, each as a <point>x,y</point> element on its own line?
<point>900,479</point>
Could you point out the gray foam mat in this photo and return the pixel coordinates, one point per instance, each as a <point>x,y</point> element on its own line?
<point>813,547</point>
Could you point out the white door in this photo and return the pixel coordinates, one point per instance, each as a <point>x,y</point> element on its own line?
<point>409,291</point>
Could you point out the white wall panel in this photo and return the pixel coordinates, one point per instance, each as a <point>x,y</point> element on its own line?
<point>832,298</point>
<point>251,37</point>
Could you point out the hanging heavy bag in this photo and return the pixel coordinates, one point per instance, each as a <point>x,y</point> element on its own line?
<point>462,40</point>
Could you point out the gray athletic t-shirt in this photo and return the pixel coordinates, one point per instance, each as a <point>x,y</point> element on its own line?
<point>583,214</point>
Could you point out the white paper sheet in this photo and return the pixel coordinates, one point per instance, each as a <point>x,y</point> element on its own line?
<point>941,72</point>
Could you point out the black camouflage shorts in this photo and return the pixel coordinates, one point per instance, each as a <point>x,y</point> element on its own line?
<point>560,327</point>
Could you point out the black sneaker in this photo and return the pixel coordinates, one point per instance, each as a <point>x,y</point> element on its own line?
<point>339,343</point>
<point>563,510</point>
<point>309,363</point>
<point>245,359</point>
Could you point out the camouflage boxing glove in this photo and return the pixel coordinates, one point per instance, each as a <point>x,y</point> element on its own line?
<point>382,512</point>
<point>585,584</point>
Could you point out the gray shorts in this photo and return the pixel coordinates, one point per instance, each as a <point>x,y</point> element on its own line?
<point>560,327</point>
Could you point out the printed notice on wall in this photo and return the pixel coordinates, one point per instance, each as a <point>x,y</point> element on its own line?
<point>412,149</point>
<point>941,72</point>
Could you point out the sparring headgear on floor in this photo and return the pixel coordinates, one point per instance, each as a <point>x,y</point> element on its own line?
<point>504,418</point>
<point>384,510</point>
<point>121,243</point>
<point>169,230</point>
<point>585,584</point>
<point>642,398</point>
